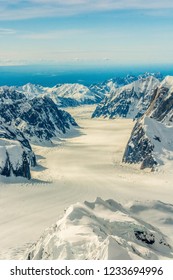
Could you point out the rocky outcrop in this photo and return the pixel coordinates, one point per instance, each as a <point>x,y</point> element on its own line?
<point>16,155</point>
<point>139,148</point>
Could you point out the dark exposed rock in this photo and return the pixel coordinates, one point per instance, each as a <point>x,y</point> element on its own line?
<point>145,237</point>
<point>139,148</point>
<point>16,155</point>
<point>38,118</point>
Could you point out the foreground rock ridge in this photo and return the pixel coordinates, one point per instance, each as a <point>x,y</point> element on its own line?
<point>100,230</point>
<point>151,143</point>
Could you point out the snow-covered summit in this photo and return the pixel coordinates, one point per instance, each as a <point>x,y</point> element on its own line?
<point>167,82</point>
<point>100,230</point>
<point>32,89</point>
<point>76,91</point>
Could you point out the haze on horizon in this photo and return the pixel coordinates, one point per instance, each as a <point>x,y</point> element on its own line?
<point>85,32</point>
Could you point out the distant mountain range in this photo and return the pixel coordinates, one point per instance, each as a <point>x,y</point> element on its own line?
<point>65,95</point>
<point>151,141</point>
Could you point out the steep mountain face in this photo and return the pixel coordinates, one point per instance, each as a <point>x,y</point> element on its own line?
<point>22,119</point>
<point>101,230</point>
<point>110,86</point>
<point>129,101</point>
<point>42,120</point>
<point>16,155</point>
<point>38,118</point>
<point>151,143</point>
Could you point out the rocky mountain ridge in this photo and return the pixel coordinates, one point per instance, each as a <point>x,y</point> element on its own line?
<point>75,94</point>
<point>129,101</point>
<point>21,119</point>
<point>151,143</point>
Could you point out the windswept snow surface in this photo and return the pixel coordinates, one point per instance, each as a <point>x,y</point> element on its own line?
<point>82,167</point>
<point>100,230</point>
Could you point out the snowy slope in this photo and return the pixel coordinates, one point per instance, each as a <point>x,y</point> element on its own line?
<point>100,230</point>
<point>151,142</point>
<point>130,101</point>
<point>81,168</point>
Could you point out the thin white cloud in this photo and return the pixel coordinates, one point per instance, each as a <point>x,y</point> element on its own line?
<point>55,34</point>
<point>6,31</point>
<point>19,9</point>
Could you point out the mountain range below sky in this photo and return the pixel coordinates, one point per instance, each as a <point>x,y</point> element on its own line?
<point>86,131</point>
<point>49,76</point>
<point>31,113</point>
<point>80,149</point>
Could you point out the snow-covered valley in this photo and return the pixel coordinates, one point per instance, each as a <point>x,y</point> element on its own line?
<point>86,164</point>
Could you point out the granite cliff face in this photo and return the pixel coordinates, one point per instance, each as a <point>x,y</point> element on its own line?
<point>151,143</point>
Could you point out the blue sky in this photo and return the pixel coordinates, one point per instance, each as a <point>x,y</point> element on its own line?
<point>85,32</point>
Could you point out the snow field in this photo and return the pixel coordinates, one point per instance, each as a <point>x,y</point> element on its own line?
<point>81,167</point>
